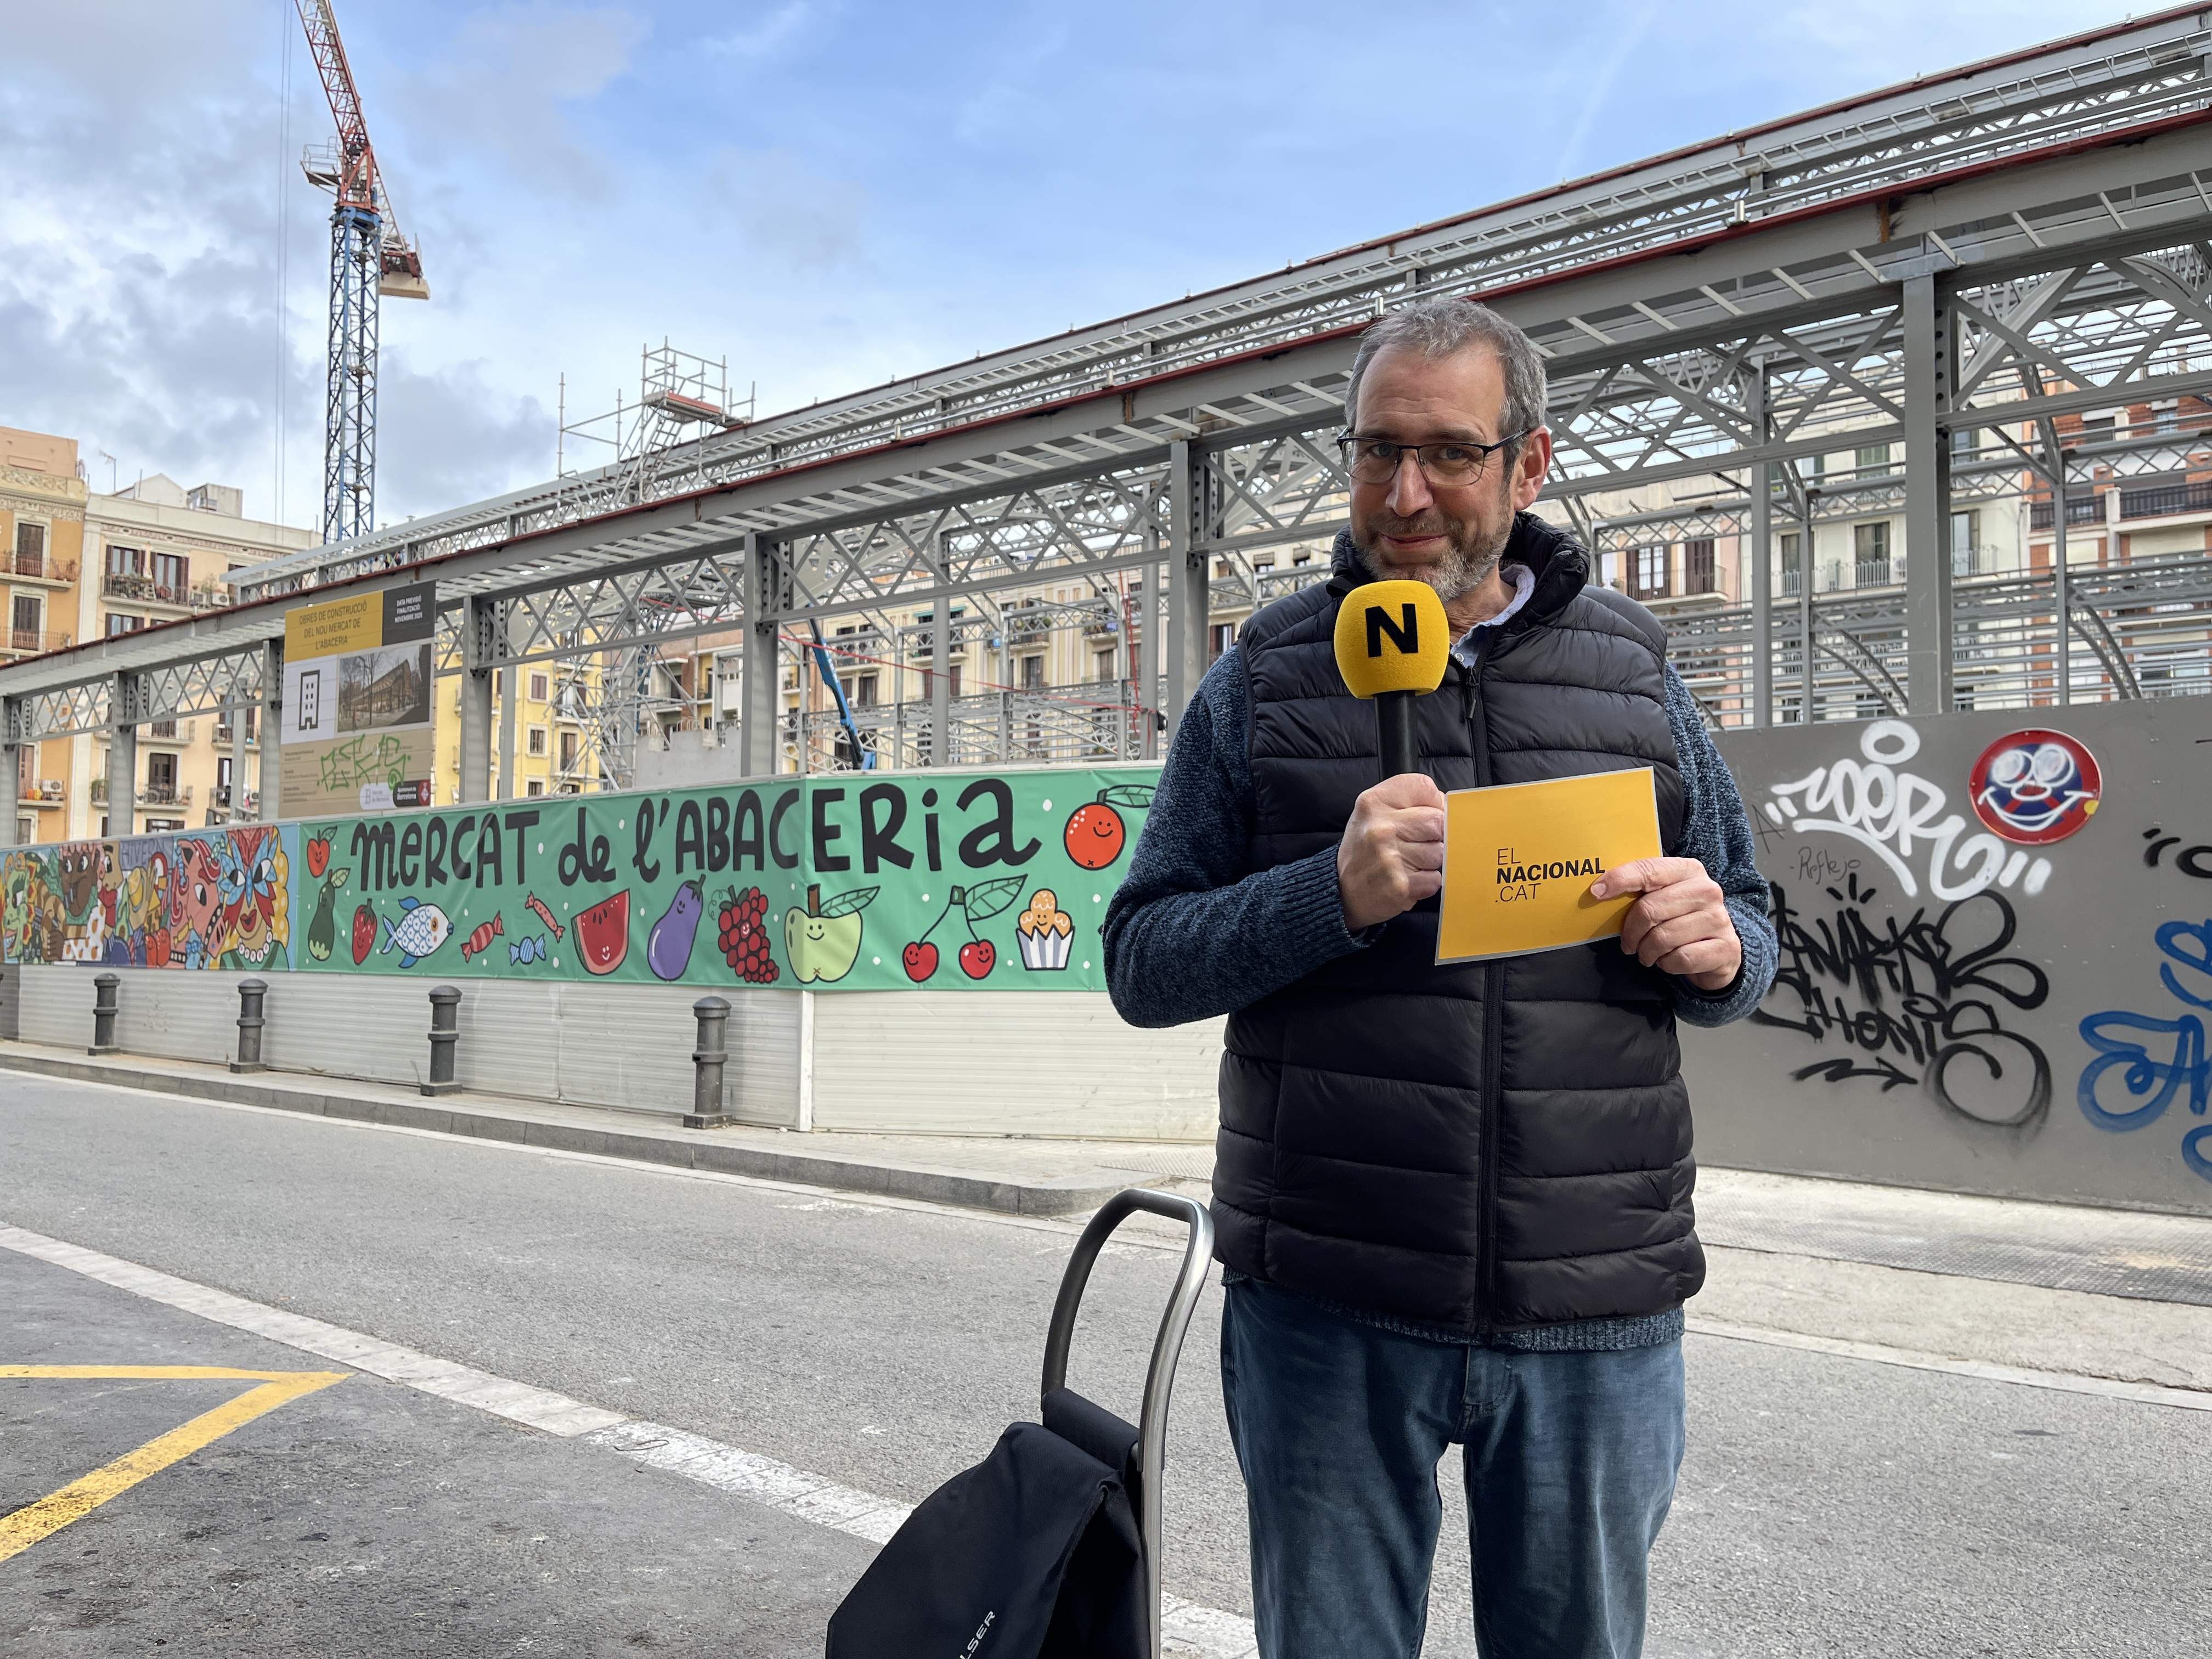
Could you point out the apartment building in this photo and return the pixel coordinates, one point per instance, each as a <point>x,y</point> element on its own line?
<point>82,565</point>
<point>553,754</point>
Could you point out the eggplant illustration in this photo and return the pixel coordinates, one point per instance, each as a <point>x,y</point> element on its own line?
<point>668,948</point>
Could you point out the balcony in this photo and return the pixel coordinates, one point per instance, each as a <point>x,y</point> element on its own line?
<point>40,567</point>
<point>2080,509</point>
<point>33,641</point>
<point>153,794</point>
<point>2165,501</point>
<point>143,590</point>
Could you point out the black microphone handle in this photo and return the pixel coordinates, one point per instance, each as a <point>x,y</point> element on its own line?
<point>1393,721</point>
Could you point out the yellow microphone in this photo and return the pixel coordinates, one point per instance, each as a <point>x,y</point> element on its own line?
<point>1392,643</point>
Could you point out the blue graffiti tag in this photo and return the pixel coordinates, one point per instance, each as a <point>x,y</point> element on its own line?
<point>2152,1080</point>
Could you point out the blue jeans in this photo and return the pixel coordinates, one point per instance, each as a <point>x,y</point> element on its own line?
<point>1338,1427</point>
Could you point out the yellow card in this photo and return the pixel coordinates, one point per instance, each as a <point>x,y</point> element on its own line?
<point>1519,860</point>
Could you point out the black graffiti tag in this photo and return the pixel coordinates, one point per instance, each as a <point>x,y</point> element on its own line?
<point>1916,1002</point>
<point>2189,860</point>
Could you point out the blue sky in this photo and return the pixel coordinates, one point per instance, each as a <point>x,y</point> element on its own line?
<point>828,191</point>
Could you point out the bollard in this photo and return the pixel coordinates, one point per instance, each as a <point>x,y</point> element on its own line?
<point>707,1061</point>
<point>445,1032</point>
<point>103,1013</point>
<point>250,995</point>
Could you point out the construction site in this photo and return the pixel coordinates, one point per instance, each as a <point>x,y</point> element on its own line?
<point>776,773</point>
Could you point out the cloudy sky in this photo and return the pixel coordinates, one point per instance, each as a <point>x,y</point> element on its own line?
<point>829,193</point>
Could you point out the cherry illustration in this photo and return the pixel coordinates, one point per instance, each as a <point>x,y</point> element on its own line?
<point>977,958</point>
<point>919,959</point>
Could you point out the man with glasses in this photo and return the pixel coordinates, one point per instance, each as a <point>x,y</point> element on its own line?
<point>1453,1200</point>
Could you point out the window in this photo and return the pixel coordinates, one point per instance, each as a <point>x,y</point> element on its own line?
<point>1812,466</point>
<point>864,692</point>
<point>1793,564</point>
<point>1106,660</point>
<point>538,688</point>
<point>536,787</point>
<point>1870,554</point>
<point>1873,458</point>
<point>222,777</point>
<point>1032,673</point>
<point>124,561</point>
<point>1966,535</point>
<point>1650,573</point>
<point>537,743</point>
<point>119,623</point>
<point>161,778</point>
<point>1222,636</point>
<point>25,636</point>
<point>171,582</point>
<point>1698,565</point>
<point>567,751</point>
<point>1966,445</point>
<point>952,675</point>
<point>30,550</point>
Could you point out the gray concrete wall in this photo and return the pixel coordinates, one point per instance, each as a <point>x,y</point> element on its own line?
<point>1946,995</point>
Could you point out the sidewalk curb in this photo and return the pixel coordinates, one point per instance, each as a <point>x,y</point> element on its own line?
<point>1072,1194</point>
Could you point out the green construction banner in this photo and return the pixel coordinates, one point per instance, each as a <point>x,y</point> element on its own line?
<point>993,880</point>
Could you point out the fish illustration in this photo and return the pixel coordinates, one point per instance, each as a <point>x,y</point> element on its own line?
<point>538,905</point>
<point>482,938</point>
<point>423,929</point>
<point>525,951</point>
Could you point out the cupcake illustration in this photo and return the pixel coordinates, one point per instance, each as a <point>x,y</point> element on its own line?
<point>1045,931</point>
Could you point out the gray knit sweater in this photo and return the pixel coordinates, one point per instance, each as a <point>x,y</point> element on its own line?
<point>1191,879</point>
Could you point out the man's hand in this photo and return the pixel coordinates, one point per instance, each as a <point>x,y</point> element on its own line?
<point>1392,855</point>
<point>1681,925</point>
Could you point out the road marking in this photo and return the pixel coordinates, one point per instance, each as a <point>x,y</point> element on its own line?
<point>536,1408</point>
<point>1204,1633</point>
<point>2148,1393</point>
<point>49,1514</point>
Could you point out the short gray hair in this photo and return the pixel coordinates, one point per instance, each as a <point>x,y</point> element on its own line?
<point>1443,327</point>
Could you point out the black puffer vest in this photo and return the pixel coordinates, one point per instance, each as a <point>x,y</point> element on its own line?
<point>1483,1147</point>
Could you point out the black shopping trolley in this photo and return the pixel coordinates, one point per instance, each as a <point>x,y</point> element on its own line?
<point>1050,1547</point>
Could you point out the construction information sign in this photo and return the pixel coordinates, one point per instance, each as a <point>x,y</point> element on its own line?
<point>357,734</point>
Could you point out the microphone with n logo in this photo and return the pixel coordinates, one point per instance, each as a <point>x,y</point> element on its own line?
<point>1392,642</point>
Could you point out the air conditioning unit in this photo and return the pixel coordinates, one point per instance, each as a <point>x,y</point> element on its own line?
<point>51,788</point>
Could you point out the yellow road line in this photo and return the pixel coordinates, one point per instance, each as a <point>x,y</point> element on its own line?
<point>49,1514</point>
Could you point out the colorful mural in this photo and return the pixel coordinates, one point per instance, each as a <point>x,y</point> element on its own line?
<point>208,898</point>
<point>959,880</point>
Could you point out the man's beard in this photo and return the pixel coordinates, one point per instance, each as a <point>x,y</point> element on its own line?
<point>1468,563</point>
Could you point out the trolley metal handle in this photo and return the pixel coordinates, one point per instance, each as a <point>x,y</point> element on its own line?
<point>1167,1348</point>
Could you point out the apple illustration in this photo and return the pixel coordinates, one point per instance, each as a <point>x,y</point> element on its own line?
<point>822,941</point>
<point>977,958</point>
<point>919,960</point>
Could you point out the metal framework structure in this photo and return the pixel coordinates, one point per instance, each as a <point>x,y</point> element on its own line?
<point>368,258</point>
<point>1950,268</point>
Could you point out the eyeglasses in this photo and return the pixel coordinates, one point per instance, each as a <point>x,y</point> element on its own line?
<point>1460,461</point>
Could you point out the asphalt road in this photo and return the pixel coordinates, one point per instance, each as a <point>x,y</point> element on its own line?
<point>1827,1505</point>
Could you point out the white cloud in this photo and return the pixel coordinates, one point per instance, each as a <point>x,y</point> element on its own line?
<point>766,34</point>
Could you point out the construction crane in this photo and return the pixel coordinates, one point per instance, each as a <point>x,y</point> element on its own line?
<point>368,258</point>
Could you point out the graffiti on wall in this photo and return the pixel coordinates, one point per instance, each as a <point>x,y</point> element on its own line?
<point>945,880</point>
<point>2140,1064</point>
<point>1898,938</point>
<point>213,898</point>
<point>1904,819</point>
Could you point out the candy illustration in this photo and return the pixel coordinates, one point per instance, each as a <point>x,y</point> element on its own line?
<point>537,906</point>
<point>485,932</point>
<point>524,951</point>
